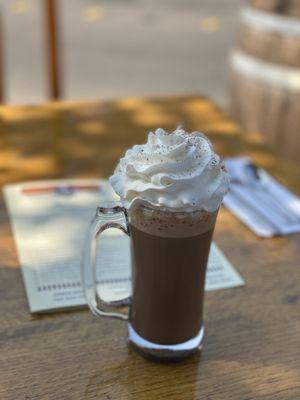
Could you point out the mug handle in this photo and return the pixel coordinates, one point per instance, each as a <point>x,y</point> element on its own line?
<point>111,216</point>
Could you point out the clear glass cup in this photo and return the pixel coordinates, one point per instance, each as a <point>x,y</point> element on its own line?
<point>169,253</point>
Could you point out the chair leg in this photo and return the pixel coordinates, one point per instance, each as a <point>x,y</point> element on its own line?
<point>1,62</point>
<point>52,45</point>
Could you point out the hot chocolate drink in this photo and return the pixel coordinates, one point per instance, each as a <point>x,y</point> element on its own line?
<point>169,258</point>
<point>171,188</point>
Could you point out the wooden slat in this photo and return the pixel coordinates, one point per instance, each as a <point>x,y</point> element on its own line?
<point>271,46</point>
<point>252,333</point>
<point>1,61</point>
<point>268,107</point>
<point>52,48</point>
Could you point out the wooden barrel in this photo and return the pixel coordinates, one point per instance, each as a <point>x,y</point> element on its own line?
<point>283,7</point>
<point>265,95</point>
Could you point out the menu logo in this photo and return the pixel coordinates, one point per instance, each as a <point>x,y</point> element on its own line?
<point>65,190</point>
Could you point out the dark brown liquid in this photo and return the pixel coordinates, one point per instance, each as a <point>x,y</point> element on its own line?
<point>168,285</point>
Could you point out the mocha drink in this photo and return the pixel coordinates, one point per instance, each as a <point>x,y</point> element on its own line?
<point>169,256</point>
<point>171,187</point>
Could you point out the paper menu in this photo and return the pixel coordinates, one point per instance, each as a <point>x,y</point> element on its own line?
<point>50,220</point>
<point>220,272</point>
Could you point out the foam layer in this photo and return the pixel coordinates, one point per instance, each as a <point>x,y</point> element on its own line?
<point>178,171</point>
<point>171,224</point>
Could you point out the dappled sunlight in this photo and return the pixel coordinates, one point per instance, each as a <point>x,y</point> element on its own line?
<point>19,167</point>
<point>262,158</point>
<point>198,105</point>
<point>210,119</point>
<point>147,112</point>
<point>154,115</point>
<point>255,138</point>
<point>18,113</point>
<point>131,103</point>
<point>15,159</point>
<point>88,108</point>
<point>91,127</point>
<point>9,157</point>
<point>225,128</point>
<point>87,139</point>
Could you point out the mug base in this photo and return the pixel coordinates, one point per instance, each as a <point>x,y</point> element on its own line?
<point>165,353</point>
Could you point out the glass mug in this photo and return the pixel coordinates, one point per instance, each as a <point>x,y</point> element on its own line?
<point>169,253</point>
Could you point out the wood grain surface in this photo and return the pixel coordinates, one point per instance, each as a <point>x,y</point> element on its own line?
<point>252,333</point>
<point>263,106</point>
<point>280,50</point>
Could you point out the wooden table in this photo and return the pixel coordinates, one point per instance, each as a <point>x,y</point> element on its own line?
<point>252,347</point>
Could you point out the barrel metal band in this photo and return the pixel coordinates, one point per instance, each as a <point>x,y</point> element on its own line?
<point>288,26</point>
<point>267,73</point>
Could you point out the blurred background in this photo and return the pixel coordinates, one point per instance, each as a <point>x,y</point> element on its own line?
<point>112,49</point>
<point>243,54</point>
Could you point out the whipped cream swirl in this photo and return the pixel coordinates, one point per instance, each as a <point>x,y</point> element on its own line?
<point>177,171</point>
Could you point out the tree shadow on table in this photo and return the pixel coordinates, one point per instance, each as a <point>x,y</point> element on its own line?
<point>85,139</point>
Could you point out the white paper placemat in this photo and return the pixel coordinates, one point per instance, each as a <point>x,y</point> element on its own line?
<point>50,220</point>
